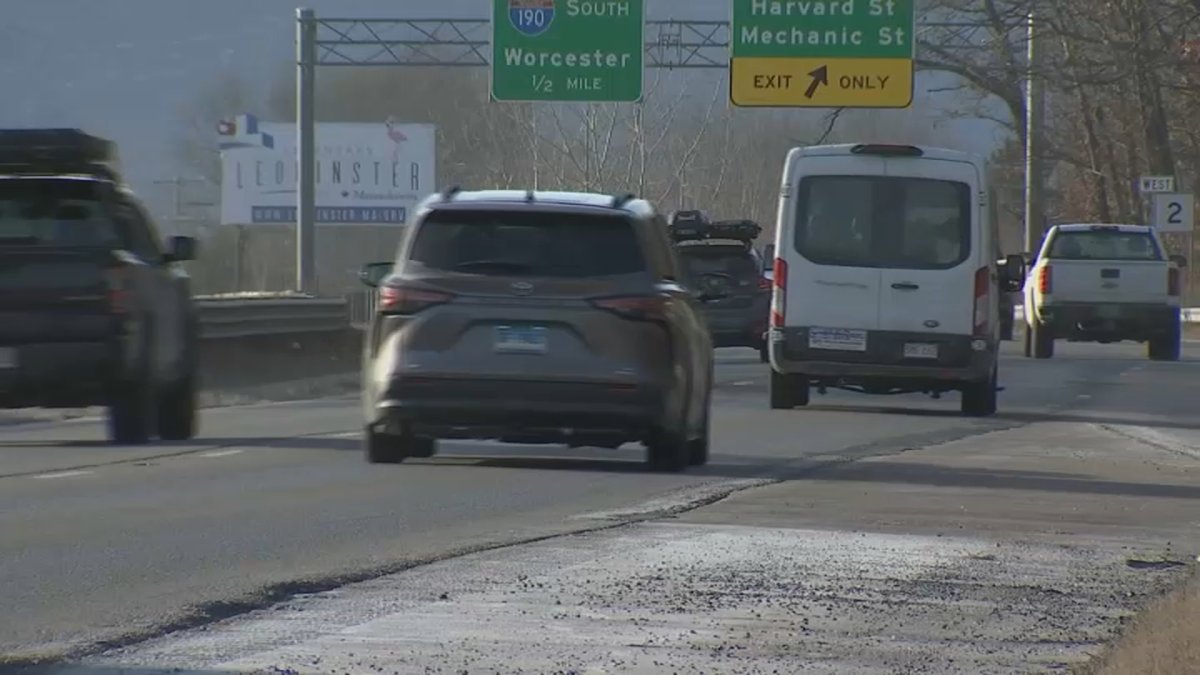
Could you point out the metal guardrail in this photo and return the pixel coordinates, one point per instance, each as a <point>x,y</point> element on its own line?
<point>231,317</point>
<point>227,318</point>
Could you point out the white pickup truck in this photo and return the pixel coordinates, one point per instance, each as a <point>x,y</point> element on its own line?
<point>1103,283</point>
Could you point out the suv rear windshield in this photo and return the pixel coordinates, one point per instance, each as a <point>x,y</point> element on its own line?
<point>739,263</point>
<point>55,213</point>
<point>1104,245</point>
<point>527,243</point>
<point>879,221</point>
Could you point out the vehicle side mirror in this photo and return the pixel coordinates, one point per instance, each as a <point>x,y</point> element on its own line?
<point>1180,261</point>
<point>372,274</point>
<point>181,249</point>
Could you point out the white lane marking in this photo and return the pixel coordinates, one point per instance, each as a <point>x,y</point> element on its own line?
<point>1084,396</point>
<point>62,474</point>
<point>221,453</point>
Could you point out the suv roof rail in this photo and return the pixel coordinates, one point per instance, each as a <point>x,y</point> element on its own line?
<point>449,192</point>
<point>529,198</point>
<point>622,199</point>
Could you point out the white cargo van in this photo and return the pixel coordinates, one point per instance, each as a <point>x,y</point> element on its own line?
<point>886,278</point>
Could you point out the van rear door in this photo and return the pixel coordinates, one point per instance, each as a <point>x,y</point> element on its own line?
<point>830,281</point>
<point>933,238</point>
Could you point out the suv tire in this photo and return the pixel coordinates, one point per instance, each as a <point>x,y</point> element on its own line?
<point>177,410</point>
<point>698,448</point>
<point>385,448</point>
<point>668,452</point>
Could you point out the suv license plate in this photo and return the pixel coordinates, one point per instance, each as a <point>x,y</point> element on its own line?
<point>520,339</point>
<point>920,350</point>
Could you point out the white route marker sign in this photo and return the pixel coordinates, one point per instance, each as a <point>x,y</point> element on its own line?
<point>1149,185</point>
<point>1174,212</point>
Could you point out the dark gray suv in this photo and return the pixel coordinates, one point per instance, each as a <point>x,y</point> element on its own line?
<point>536,317</point>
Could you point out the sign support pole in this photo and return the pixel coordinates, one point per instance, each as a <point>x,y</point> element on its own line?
<point>1035,108</point>
<point>306,190</point>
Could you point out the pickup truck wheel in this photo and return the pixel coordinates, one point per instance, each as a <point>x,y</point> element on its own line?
<point>1043,342</point>
<point>177,410</point>
<point>131,412</point>
<point>1166,347</point>
<point>979,398</point>
<point>788,391</point>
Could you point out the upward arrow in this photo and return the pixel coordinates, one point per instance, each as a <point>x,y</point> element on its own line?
<point>820,77</point>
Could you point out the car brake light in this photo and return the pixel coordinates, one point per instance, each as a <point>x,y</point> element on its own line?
<point>983,291</point>
<point>1173,281</point>
<point>636,307</point>
<point>119,300</point>
<point>1045,280</point>
<point>779,296</point>
<point>406,300</point>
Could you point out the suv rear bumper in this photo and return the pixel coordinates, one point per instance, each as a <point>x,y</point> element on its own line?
<point>526,409</point>
<point>960,358</point>
<point>58,375</point>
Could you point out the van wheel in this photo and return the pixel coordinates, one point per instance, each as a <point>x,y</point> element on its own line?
<point>979,398</point>
<point>1043,342</point>
<point>788,391</point>
<point>1167,346</point>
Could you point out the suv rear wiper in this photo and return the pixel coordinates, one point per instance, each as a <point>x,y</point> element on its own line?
<point>504,265</point>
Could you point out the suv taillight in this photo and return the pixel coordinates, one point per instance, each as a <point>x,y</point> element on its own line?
<point>636,307</point>
<point>1045,280</point>
<point>120,301</point>
<point>1173,281</point>
<point>399,299</point>
<point>983,292</point>
<point>779,296</point>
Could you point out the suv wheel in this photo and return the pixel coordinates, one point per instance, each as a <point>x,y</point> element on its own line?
<point>177,410</point>
<point>788,391</point>
<point>668,451</point>
<point>384,448</point>
<point>698,448</point>
<point>131,412</point>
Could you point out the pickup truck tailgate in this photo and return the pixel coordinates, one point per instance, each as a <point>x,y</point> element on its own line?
<point>1135,281</point>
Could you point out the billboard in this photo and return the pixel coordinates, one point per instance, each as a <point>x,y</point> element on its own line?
<point>366,173</point>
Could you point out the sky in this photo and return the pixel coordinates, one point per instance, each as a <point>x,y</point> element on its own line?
<point>129,69</point>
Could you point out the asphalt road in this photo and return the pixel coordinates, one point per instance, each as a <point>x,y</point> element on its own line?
<point>105,545</point>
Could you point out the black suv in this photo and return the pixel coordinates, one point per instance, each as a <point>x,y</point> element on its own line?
<point>725,250</point>
<point>536,317</point>
<point>94,311</point>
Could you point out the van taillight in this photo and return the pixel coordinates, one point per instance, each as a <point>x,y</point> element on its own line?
<point>1045,280</point>
<point>1173,281</point>
<point>397,299</point>
<point>779,296</point>
<point>983,288</point>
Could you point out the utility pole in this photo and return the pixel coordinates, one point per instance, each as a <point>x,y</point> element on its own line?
<point>1035,149</point>
<point>306,191</point>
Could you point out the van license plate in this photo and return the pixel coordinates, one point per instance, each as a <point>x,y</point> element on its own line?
<point>8,357</point>
<point>520,339</point>
<point>920,350</point>
<point>840,339</point>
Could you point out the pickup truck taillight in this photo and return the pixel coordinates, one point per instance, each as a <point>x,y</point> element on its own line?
<point>1173,281</point>
<point>1045,280</point>
<point>983,288</point>
<point>779,295</point>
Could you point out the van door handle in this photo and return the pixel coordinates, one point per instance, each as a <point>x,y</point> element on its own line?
<point>905,286</point>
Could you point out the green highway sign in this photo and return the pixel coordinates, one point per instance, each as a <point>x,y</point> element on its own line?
<point>822,53</point>
<point>568,50</point>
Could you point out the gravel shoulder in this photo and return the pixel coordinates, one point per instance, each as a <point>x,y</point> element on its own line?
<point>1021,550</point>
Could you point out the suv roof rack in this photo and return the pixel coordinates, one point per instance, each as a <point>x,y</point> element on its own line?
<point>57,151</point>
<point>622,199</point>
<point>745,231</point>
<point>887,150</point>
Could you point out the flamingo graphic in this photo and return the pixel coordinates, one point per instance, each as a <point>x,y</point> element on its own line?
<point>396,136</point>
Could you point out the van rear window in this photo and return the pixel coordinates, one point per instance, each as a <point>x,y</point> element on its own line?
<point>881,221</point>
<point>527,244</point>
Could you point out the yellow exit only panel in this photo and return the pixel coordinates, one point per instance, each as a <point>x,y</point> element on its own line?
<point>820,83</point>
